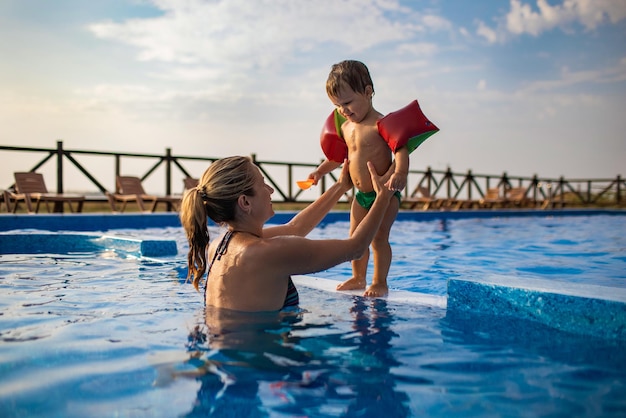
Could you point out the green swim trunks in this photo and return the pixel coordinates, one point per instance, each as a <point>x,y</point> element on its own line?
<point>366,199</point>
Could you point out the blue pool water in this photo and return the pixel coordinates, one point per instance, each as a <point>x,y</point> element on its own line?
<point>589,249</point>
<point>104,333</point>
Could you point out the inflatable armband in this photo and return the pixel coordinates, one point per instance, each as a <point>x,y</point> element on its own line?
<point>407,126</point>
<point>332,142</point>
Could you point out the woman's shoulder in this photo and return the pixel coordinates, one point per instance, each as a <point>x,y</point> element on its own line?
<point>277,248</point>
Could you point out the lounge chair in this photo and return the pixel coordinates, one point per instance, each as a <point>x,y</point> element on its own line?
<point>421,196</point>
<point>31,188</point>
<point>5,200</point>
<point>492,199</point>
<point>456,204</point>
<point>131,190</point>
<point>516,197</point>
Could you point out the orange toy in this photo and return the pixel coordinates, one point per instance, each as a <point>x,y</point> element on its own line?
<point>304,184</point>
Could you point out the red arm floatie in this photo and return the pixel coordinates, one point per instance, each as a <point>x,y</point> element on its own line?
<point>407,126</point>
<point>332,142</point>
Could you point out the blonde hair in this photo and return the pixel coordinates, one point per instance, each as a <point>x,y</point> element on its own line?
<point>353,74</point>
<point>215,197</point>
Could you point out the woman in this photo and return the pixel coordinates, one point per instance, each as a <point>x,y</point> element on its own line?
<point>250,267</point>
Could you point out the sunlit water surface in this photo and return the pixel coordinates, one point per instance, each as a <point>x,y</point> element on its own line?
<point>104,335</point>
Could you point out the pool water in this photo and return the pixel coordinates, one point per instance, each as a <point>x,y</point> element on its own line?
<point>590,249</point>
<point>99,334</point>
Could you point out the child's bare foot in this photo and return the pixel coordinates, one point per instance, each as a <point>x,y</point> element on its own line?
<point>352,284</point>
<point>376,290</point>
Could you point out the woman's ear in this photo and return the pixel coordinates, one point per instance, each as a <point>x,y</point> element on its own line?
<point>244,203</point>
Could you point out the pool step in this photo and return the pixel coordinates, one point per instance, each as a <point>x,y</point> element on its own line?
<point>399,296</point>
<point>49,243</point>
<point>594,310</point>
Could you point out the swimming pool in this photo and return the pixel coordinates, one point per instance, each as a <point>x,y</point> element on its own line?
<point>106,333</point>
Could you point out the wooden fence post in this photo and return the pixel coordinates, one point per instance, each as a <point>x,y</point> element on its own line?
<point>168,173</point>
<point>118,170</point>
<point>58,206</point>
<point>59,166</point>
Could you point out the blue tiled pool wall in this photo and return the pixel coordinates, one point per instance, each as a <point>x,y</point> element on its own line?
<point>481,328</point>
<point>87,222</point>
<point>105,222</point>
<point>596,311</point>
<point>580,311</point>
<point>65,243</point>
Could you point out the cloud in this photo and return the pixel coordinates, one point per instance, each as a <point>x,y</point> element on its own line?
<point>437,22</point>
<point>418,49</point>
<point>590,13</point>
<point>614,74</point>
<point>239,34</point>
<point>522,18</point>
<point>486,32</point>
<point>223,50</point>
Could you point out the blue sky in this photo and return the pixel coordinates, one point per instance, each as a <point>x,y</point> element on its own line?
<point>523,86</point>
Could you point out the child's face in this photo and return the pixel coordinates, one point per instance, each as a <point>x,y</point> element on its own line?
<point>352,105</point>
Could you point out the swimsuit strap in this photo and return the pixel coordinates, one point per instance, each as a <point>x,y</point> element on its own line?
<point>221,249</point>
<point>219,252</point>
<point>291,298</point>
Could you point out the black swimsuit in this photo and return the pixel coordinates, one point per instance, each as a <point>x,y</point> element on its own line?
<point>291,298</point>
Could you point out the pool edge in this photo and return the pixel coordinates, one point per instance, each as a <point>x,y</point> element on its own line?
<point>108,221</point>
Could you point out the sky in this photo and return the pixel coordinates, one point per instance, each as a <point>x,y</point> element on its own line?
<point>521,86</point>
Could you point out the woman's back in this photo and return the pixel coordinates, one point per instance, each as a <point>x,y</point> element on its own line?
<point>240,278</point>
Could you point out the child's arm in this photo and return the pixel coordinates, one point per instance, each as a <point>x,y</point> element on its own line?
<point>324,168</point>
<point>312,215</point>
<point>400,168</point>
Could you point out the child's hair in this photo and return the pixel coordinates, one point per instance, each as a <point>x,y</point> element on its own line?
<point>352,73</point>
<point>215,197</point>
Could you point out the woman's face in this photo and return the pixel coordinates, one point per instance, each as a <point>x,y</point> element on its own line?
<point>262,199</point>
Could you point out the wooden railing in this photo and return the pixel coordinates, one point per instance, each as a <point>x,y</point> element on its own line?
<point>282,176</point>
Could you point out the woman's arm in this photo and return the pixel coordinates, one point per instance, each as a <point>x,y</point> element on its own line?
<point>311,216</point>
<point>296,255</point>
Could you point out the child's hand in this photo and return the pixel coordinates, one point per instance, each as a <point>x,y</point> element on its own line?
<point>344,178</point>
<point>315,176</point>
<point>396,182</point>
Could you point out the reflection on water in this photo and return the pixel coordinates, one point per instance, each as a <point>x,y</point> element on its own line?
<point>515,362</point>
<point>350,356</point>
<point>297,363</point>
<point>84,336</point>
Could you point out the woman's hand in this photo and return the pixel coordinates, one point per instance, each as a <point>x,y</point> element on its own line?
<point>378,182</point>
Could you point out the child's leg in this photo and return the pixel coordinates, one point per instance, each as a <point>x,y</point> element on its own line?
<point>382,252</point>
<point>359,267</point>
